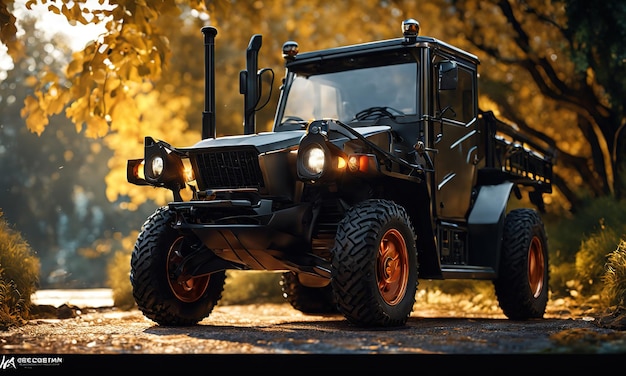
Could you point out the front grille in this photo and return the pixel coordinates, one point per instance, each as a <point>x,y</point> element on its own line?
<point>229,169</point>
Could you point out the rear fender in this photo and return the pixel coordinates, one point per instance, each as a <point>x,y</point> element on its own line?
<point>485,224</point>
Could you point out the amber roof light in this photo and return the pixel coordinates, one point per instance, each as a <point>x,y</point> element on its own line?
<point>410,29</point>
<point>290,50</point>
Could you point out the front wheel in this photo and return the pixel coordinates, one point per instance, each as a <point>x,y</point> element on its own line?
<point>522,283</point>
<point>158,252</point>
<point>374,264</point>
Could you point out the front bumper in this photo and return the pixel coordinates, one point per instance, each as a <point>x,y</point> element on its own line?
<point>252,235</point>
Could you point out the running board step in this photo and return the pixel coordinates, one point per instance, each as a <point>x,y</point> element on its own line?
<point>467,272</point>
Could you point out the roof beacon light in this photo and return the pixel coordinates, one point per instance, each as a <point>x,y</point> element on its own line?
<point>410,29</point>
<point>290,50</point>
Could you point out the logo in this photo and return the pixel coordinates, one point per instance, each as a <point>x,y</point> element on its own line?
<point>7,363</point>
<point>29,361</point>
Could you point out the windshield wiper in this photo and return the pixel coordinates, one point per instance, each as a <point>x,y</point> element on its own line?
<point>377,112</point>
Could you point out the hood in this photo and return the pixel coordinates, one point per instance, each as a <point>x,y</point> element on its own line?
<point>263,142</point>
<point>270,141</point>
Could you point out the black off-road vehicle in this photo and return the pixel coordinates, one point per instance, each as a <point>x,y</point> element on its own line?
<point>380,169</point>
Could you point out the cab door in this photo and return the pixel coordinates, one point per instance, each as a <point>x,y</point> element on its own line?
<point>456,138</point>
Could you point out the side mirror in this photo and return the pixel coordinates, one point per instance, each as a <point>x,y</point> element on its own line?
<point>448,75</point>
<point>243,82</point>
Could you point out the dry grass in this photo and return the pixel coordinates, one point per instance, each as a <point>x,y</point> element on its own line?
<point>19,276</point>
<point>614,278</point>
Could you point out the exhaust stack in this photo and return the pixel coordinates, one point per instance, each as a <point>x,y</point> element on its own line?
<point>249,84</point>
<point>208,115</point>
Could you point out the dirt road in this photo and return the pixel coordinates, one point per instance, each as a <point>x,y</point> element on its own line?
<point>278,329</point>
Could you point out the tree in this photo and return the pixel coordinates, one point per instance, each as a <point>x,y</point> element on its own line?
<point>52,184</point>
<point>572,53</point>
<point>596,34</point>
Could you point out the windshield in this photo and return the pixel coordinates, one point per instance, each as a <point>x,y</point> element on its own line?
<point>343,95</point>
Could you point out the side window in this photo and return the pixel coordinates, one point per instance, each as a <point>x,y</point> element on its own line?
<point>458,104</point>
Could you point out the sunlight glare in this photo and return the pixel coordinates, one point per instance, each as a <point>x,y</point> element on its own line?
<point>77,35</point>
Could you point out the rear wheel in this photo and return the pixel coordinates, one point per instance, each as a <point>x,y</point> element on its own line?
<point>161,297</point>
<point>310,300</point>
<point>522,283</point>
<point>374,264</point>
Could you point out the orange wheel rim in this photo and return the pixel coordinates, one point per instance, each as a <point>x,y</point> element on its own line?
<point>392,267</point>
<point>186,290</point>
<point>536,266</point>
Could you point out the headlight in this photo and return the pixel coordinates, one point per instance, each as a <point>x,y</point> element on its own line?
<point>157,166</point>
<point>314,160</point>
<point>163,167</point>
<point>318,159</point>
